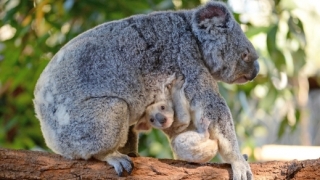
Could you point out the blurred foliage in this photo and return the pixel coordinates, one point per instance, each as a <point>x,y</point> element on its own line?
<point>32,31</point>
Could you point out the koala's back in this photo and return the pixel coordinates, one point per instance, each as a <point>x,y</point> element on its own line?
<point>123,59</point>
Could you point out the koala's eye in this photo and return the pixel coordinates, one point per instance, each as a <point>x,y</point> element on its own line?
<point>151,120</point>
<point>163,107</point>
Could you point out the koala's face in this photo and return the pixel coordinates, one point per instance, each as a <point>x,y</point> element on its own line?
<point>228,54</point>
<point>160,115</point>
<point>236,60</point>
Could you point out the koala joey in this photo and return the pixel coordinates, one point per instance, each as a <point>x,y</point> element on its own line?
<point>159,114</point>
<point>100,83</point>
<point>187,144</point>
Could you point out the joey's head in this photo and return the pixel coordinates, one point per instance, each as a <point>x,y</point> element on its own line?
<point>160,115</point>
<point>227,53</point>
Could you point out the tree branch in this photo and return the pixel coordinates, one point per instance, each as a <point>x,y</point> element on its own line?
<point>22,164</point>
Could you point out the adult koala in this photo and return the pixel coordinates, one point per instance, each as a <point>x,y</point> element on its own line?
<point>101,82</point>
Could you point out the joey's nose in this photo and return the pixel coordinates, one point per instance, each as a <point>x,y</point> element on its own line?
<point>161,118</point>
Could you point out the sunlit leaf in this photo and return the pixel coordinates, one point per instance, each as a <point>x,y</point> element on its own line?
<point>299,59</point>
<point>296,28</point>
<point>268,102</point>
<point>252,31</point>
<point>271,40</point>
<point>282,127</point>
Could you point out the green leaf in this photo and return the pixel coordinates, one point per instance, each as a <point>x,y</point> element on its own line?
<point>279,60</point>
<point>296,28</point>
<point>267,103</point>
<point>282,127</point>
<point>299,60</point>
<point>252,31</point>
<point>271,40</point>
<point>297,124</point>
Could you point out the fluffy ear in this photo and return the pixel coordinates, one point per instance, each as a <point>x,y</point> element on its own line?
<point>142,126</point>
<point>212,14</point>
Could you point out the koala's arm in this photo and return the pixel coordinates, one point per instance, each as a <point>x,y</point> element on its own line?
<point>206,104</point>
<point>180,105</point>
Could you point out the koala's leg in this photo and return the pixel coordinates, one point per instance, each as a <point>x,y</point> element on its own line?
<point>102,130</point>
<point>131,146</point>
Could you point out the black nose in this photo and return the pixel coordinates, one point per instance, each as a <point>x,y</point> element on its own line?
<point>255,72</point>
<point>161,118</point>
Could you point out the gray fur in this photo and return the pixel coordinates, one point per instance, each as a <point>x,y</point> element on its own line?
<point>101,82</point>
<point>187,142</point>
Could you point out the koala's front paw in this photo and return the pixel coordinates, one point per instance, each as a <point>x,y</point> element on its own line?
<point>241,170</point>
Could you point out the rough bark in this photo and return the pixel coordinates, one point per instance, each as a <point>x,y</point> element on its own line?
<point>22,164</point>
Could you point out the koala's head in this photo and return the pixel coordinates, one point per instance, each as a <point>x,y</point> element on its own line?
<point>228,54</point>
<point>159,115</point>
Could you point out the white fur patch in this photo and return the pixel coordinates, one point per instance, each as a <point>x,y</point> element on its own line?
<point>50,137</point>
<point>49,97</point>
<point>197,115</point>
<point>62,115</point>
<point>60,55</point>
<point>37,110</point>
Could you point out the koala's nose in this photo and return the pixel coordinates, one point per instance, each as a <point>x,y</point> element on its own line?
<point>255,72</point>
<point>256,66</point>
<point>254,57</point>
<point>161,118</point>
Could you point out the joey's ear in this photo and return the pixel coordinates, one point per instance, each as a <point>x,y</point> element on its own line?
<point>212,14</point>
<point>142,126</point>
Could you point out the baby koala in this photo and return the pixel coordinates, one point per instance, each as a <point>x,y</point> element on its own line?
<point>171,114</point>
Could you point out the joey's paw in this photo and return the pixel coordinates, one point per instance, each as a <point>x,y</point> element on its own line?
<point>120,162</point>
<point>241,171</point>
<point>180,127</point>
<point>203,125</point>
<point>178,83</point>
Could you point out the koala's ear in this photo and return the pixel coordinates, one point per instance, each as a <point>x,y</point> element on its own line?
<point>212,14</point>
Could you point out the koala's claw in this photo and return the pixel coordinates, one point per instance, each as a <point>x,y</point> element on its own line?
<point>133,154</point>
<point>179,82</point>
<point>120,162</point>
<point>245,156</point>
